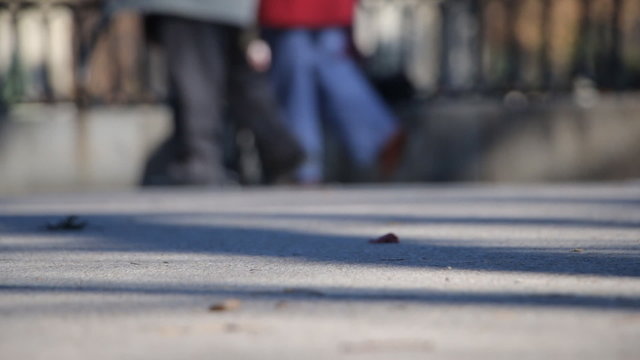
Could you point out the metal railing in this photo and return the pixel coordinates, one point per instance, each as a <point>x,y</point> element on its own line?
<point>489,46</point>
<point>442,47</point>
<point>57,51</point>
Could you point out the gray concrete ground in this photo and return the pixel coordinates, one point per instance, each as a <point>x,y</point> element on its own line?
<point>53,147</point>
<point>481,272</point>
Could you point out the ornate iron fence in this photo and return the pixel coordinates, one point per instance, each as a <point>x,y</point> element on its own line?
<point>489,46</point>
<point>438,47</point>
<point>62,50</point>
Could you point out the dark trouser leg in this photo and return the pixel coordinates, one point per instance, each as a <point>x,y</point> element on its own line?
<point>253,105</point>
<point>196,60</point>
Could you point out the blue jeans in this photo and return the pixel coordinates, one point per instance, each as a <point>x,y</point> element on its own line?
<point>315,78</point>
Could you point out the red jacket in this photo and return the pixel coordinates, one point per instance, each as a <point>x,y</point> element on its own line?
<point>306,13</point>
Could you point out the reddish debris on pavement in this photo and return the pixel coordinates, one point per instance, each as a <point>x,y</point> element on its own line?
<point>389,238</point>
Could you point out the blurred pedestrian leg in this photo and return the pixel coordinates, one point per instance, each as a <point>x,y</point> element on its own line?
<point>363,119</point>
<point>315,77</point>
<point>293,75</point>
<point>195,54</point>
<point>252,105</point>
<point>209,79</point>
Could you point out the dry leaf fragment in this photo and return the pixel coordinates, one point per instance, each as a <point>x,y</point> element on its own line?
<point>281,304</point>
<point>69,223</point>
<point>226,305</point>
<point>389,238</point>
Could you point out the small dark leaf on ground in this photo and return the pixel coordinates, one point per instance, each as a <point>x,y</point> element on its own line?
<point>389,238</point>
<point>69,223</point>
<point>281,304</point>
<point>226,305</point>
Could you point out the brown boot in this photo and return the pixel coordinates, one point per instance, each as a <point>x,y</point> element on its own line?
<point>391,155</point>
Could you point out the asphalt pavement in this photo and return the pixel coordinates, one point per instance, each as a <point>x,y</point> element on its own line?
<point>479,272</point>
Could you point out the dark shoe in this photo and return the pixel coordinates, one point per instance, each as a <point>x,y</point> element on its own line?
<point>197,173</point>
<point>391,155</point>
<point>282,170</point>
<point>165,168</point>
<point>280,158</point>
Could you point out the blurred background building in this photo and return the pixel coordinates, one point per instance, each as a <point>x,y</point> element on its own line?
<point>489,90</point>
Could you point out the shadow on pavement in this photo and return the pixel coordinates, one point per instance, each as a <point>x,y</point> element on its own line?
<point>434,297</point>
<point>176,233</point>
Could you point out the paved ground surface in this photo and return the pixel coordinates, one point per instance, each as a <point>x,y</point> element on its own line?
<point>481,272</point>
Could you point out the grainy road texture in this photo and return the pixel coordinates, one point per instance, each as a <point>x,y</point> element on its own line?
<point>480,272</point>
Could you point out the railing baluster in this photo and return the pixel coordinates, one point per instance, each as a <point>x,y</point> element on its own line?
<point>545,34</point>
<point>45,9</point>
<point>615,67</point>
